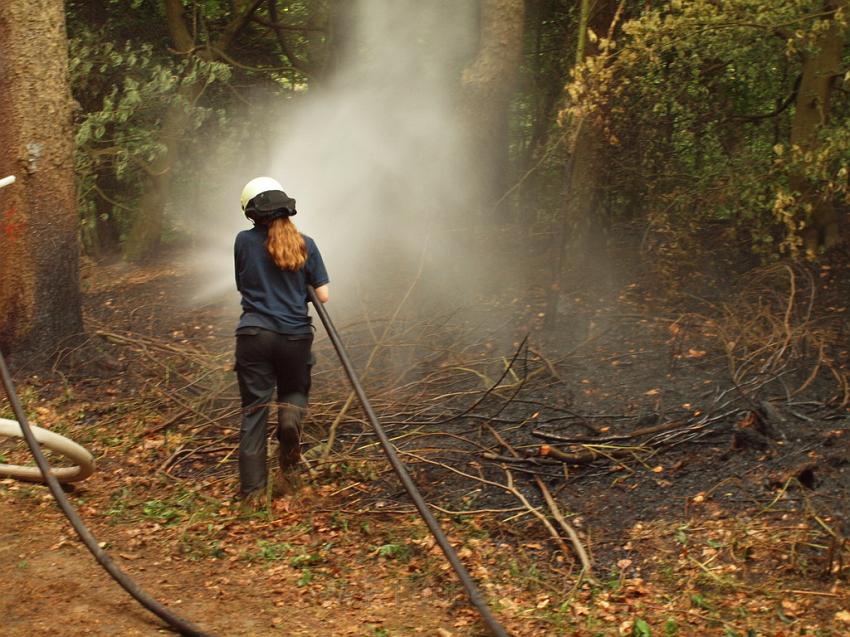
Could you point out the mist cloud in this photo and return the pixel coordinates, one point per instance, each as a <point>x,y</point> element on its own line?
<point>373,156</point>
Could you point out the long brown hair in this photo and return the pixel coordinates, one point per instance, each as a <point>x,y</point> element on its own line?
<point>286,245</point>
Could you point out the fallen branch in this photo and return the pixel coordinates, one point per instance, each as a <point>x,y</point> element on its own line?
<point>578,547</point>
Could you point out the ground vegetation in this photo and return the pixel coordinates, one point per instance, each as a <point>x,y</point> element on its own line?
<point>633,421</point>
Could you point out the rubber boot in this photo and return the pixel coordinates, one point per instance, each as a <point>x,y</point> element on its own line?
<point>253,502</point>
<point>289,419</point>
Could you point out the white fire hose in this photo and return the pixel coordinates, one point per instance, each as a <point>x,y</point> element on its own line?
<point>82,459</point>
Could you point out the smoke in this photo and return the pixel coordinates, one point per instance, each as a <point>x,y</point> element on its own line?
<point>374,156</point>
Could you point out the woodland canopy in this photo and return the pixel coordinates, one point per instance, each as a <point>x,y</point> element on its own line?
<point>672,116</point>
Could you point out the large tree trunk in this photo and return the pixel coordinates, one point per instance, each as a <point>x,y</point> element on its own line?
<point>811,112</point>
<point>39,249</point>
<point>488,84</point>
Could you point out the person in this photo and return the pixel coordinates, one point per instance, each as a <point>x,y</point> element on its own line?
<point>274,264</point>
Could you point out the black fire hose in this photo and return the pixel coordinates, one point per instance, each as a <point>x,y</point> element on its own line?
<point>179,624</point>
<point>474,594</point>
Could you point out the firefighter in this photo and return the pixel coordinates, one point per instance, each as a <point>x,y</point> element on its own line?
<point>274,265</point>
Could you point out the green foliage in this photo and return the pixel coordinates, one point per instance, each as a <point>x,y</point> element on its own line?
<point>119,502</point>
<point>306,578</point>
<point>394,551</point>
<point>148,112</point>
<point>271,551</point>
<point>695,101</point>
<point>641,629</point>
<point>698,601</point>
<point>128,90</point>
<point>161,511</point>
<point>304,560</point>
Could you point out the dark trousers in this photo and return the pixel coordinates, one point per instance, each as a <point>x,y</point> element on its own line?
<point>266,361</point>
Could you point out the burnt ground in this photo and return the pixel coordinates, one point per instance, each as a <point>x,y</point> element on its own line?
<point>704,417</point>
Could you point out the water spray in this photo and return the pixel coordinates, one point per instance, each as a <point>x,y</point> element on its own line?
<point>472,591</point>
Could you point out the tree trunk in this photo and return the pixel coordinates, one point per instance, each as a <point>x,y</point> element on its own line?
<point>811,112</point>
<point>107,234</point>
<point>145,233</point>
<point>341,19</point>
<point>488,84</point>
<point>580,233</point>
<point>548,80</point>
<point>583,227</point>
<point>39,245</point>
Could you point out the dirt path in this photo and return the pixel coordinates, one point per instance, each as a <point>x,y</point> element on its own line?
<point>53,586</point>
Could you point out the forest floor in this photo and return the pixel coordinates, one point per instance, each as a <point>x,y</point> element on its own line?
<point>706,468</point>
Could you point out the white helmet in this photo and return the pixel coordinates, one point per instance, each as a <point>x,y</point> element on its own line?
<point>255,187</point>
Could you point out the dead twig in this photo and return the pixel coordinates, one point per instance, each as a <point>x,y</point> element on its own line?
<point>578,547</point>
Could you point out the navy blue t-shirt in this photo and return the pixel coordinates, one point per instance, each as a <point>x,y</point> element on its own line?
<point>273,298</point>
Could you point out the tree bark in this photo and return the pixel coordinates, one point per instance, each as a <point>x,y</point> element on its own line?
<point>39,244</point>
<point>145,234</point>
<point>548,78</point>
<point>580,232</point>
<point>583,174</point>
<point>811,112</point>
<point>488,84</point>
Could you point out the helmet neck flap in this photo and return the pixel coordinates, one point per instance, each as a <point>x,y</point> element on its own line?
<point>263,201</point>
